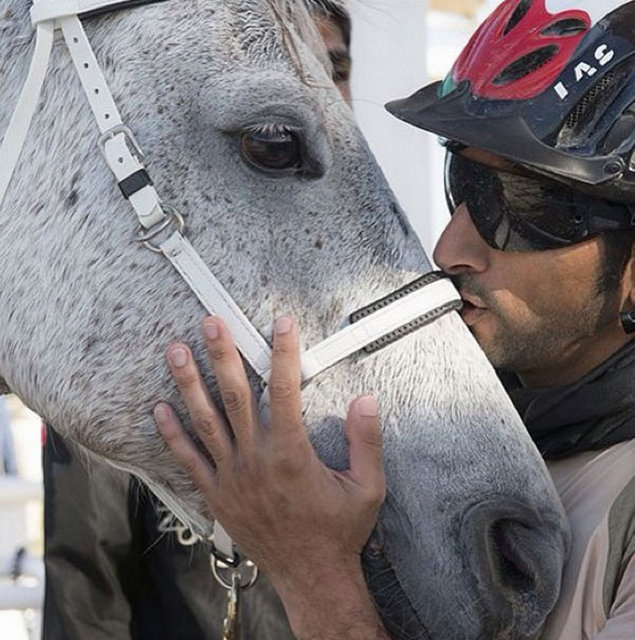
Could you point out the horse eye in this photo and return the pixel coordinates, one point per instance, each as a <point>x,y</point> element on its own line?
<point>272,149</point>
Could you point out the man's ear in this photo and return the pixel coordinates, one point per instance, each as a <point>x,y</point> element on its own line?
<point>627,312</point>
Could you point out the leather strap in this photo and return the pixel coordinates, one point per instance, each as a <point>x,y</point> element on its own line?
<point>365,331</point>
<point>223,544</point>
<point>20,122</point>
<point>217,300</point>
<point>116,140</point>
<point>44,10</point>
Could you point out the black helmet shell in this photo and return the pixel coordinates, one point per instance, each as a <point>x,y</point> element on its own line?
<point>549,85</point>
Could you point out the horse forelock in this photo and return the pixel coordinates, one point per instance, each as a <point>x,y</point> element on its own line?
<point>275,34</point>
<point>263,36</point>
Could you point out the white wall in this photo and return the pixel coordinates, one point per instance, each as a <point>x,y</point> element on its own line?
<point>398,46</point>
<point>389,61</point>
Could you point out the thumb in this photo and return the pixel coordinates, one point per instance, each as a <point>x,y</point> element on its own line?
<point>363,432</point>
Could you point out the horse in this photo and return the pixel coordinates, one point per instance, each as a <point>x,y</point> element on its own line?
<point>246,135</point>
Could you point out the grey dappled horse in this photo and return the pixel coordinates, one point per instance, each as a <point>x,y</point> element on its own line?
<point>231,101</point>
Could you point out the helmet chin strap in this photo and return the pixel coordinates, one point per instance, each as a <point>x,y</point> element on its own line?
<point>163,227</point>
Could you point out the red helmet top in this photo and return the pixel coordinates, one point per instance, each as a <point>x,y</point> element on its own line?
<point>520,50</point>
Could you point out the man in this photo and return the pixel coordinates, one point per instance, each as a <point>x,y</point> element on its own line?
<point>539,115</point>
<point>118,565</point>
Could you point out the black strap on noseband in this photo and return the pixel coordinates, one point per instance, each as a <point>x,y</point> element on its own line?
<point>421,321</point>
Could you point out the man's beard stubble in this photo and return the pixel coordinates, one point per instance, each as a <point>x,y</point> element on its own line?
<point>520,347</point>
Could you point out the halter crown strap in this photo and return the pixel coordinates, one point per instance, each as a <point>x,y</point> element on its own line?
<point>45,10</point>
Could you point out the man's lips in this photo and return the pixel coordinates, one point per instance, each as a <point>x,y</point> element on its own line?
<point>473,309</point>
<point>470,300</point>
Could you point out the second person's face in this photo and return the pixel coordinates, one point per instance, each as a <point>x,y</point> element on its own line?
<point>338,52</point>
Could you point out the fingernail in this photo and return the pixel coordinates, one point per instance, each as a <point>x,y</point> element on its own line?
<point>284,324</point>
<point>177,356</point>
<point>161,413</point>
<point>367,407</point>
<point>211,329</point>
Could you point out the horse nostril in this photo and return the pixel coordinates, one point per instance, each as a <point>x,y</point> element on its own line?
<point>516,557</point>
<point>510,555</point>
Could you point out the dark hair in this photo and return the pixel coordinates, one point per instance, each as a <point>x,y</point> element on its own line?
<point>339,15</point>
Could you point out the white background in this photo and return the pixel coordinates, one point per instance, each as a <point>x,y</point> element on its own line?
<point>398,47</point>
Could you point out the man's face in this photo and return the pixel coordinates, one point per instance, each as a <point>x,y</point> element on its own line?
<point>338,52</point>
<point>538,314</point>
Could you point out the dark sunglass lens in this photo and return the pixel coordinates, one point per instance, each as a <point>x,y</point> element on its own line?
<point>477,186</point>
<point>516,212</point>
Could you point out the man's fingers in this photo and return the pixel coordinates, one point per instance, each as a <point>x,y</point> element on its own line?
<point>238,400</point>
<point>363,431</point>
<point>184,450</point>
<point>206,420</point>
<point>285,379</point>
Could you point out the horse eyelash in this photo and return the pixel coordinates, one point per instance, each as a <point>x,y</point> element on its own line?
<point>270,128</point>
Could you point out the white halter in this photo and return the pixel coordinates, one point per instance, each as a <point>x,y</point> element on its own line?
<point>125,159</point>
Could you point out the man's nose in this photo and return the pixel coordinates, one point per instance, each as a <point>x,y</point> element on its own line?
<point>460,248</point>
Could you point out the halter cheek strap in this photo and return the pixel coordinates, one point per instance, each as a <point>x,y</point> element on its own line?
<point>20,122</point>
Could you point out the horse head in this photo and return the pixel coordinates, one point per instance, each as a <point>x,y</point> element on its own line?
<point>245,134</point>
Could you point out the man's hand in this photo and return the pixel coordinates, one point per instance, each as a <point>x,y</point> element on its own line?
<point>301,522</point>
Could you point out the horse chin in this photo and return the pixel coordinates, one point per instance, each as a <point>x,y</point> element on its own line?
<point>513,558</point>
<point>395,609</point>
<point>399,616</point>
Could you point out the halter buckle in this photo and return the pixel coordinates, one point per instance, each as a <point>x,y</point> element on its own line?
<point>130,139</point>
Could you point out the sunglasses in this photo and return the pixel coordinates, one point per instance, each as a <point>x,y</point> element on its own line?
<point>516,212</point>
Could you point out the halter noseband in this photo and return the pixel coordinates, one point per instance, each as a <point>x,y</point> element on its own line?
<point>382,322</point>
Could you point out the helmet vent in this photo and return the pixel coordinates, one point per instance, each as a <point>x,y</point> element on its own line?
<point>526,65</point>
<point>519,13</point>
<point>564,28</point>
<point>589,109</point>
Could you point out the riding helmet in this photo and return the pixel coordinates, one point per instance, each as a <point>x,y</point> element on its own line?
<point>549,85</point>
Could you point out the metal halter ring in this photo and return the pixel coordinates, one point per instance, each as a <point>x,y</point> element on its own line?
<point>223,573</point>
<point>173,218</point>
<point>187,537</point>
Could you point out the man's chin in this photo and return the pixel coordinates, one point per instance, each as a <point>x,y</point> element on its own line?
<point>490,345</point>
